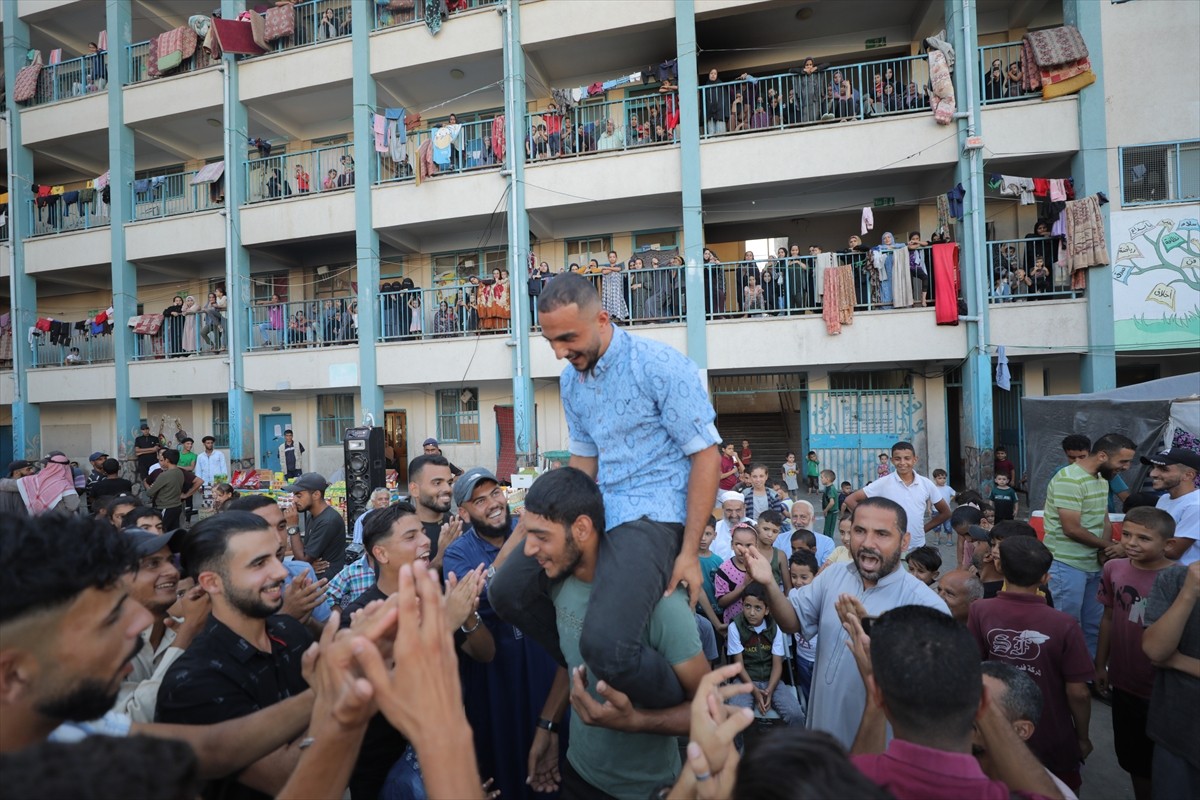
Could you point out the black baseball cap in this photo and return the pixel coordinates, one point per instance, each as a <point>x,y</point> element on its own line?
<point>308,482</point>
<point>146,543</point>
<point>1174,455</point>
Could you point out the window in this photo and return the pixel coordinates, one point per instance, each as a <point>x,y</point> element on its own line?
<point>1160,173</point>
<point>220,422</point>
<point>455,268</point>
<point>580,250</point>
<point>657,240</point>
<point>869,381</point>
<point>335,413</point>
<point>458,415</point>
<point>266,284</point>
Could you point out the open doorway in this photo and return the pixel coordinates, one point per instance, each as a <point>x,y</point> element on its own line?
<point>395,442</point>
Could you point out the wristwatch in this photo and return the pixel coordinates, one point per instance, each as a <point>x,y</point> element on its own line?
<point>292,531</point>
<point>547,725</point>
<point>491,572</point>
<point>473,628</point>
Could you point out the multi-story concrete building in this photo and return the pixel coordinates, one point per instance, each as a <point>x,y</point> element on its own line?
<point>261,175</point>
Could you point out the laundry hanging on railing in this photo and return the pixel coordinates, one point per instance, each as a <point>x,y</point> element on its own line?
<point>209,173</point>
<point>1056,61</point>
<point>243,36</point>
<point>1085,245</point>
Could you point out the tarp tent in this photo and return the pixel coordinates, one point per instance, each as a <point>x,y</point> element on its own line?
<point>1149,413</point>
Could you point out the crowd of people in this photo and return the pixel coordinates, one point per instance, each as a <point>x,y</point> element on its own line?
<point>662,587</point>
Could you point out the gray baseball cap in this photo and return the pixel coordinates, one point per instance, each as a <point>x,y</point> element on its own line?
<point>465,484</point>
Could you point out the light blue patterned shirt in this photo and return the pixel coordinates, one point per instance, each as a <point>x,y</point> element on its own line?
<point>643,412</point>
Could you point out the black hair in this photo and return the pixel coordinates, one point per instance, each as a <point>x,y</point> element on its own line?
<point>141,512</point>
<point>564,495</point>
<point>771,517</point>
<point>110,466</point>
<point>378,525</point>
<point>1009,528</point>
<point>48,560</point>
<point>803,558</point>
<point>940,471</point>
<point>1024,561</point>
<point>251,503</point>
<point>1022,696</point>
<point>928,557</point>
<point>1112,443</point>
<point>801,764</point>
<point>804,536</point>
<point>889,505</point>
<point>103,767</point>
<point>968,496</point>
<point>927,666</point>
<point>418,464</point>
<point>118,501</point>
<point>904,446</point>
<point>171,455</point>
<point>1155,520</point>
<point>568,289</point>
<point>205,546</point>
<point>1076,441</point>
<point>847,483</point>
<point>757,591</point>
<point>965,515</point>
<point>1137,500</point>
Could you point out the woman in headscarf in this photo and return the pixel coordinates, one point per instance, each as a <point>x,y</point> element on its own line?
<point>191,342</point>
<point>52,489</point>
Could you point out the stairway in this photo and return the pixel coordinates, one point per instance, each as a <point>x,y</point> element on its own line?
<point>768,438</point>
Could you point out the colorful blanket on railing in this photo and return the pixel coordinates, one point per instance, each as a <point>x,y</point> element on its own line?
<point>1057,46</point>
<point>1055,61</point>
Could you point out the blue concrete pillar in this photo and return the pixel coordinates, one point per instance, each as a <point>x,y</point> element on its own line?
<point>119,23</point>
<point>1089,168</point>
<point>689,167</point>
<point>27,424</point>
<point>524,420</point>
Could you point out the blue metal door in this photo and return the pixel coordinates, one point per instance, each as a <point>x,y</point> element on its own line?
<point>850,428</point>
<point>270,436</point>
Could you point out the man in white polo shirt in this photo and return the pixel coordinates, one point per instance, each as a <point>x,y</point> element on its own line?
<point>1174,472</point>
<point>912,491</point>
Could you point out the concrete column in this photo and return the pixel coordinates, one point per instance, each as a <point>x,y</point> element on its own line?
<point>689,168</point>
<point>524,421</point>
<point>366,238</point>
<point>27,423</point>
<point>119,23</point>
<point>1089,168</point>
<point>977,427</point>
<point>237,263</point>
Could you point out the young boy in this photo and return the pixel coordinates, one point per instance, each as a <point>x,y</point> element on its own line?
<point>841,553</point>
<point>731,577</point>
<point>1120,663</point>
<point>785,494</point>
<point>758,497</point>
<point>829,500</point>
<point>791,473</point>
<point>710,562</point>
<point>803,568</point>
<point>1018,628</point>
<point>757,643</point>
<point>944,533</point>
<point>924,563</point>
<point>812,469</point>
<point>770,523</point>
<point>1004,498</point>
<point>846,491</point>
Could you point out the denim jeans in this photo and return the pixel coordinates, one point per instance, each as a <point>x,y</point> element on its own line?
<point>1075,593</point>
<point>1174,776</point>
<point>783,700</point>
<point>632,569</point>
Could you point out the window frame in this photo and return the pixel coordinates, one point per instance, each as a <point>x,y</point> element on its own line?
<point>486,259</point>
<point>461,419</point>
<point>220,422</point>
<point>336,417</point>
<point>579,258</point>
<point>1173,186</point>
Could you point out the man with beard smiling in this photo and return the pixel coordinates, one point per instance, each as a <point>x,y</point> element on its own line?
<point>504,698</point>
<point>873,582</point>
<point>248,656</point>
<point>429,486</point>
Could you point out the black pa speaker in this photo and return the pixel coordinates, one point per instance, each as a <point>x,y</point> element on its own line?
<point>364,470</point>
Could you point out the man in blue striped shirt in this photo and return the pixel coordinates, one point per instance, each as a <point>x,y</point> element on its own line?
<point>640,422</point>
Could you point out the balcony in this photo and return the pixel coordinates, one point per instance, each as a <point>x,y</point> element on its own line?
<point>195,334</point>
<point>275,177</point>
<point>1025,270</point>
<point>407,12</point>
<point>56,214</point>
<point>316,21</point>
<point>139,62</point>
<point>75,77</point>
<point>170,195</point>
<point>451,149</point>
<point>303,324</point>
<point>80,349</point>
<point>625,124</point>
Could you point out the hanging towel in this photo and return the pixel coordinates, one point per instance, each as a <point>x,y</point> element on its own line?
<point>394,113</point>
<point>945,283</point>
<point>823,262</point>
<point>1086,246</point>
<point>1058,191</point>
<point>868,220</point>
<point>396,138</point>
<point>209,173</point>
<point>1003,376</point>
<point>902,295</point>
<point>102,40</point>
<point>141,186</point>
<point>435,12</point>
<point>379,126</point>
<point>498,137</point>
<point>102,181</point>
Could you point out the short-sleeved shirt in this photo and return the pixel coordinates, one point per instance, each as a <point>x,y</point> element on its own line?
<point>912,772</point>
<point>1124,588</point>
<point>187,460</point>
<point>1005,502</point>
<point>643,412</point>
<point>146,460</point>
<point>727,578</point>
<point>1185,510</point>
<point>1075,489</point>
<point>914,497</point>
<point>349,583</point>
<point>1021,630</point>
<point>708,570</point>
<point>624,764</point>
<point>110,487</point>
<point>1173,722</point>
<point>733,645</point>
<point>325,539</point>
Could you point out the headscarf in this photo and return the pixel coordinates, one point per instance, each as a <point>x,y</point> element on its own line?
<point>44,490</point>
<point>190,310</point>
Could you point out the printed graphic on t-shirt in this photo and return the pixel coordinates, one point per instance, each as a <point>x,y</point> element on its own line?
<point>1020,645</point>
<point>1131,602</point>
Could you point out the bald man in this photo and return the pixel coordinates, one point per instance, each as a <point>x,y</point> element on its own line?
<point>959,589</point>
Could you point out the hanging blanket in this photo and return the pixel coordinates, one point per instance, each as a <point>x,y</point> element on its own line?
<point>148,324</point>
<point>1031,79</point>
<point>945,283</point>
<point>942,88</point>
<point>280,22</point>
<point>1069,86</point>
<point>1057,46</point>
<point>25,85</point>
<point>209,173</point>
<point>190,41</point>
<point>838,306</point>
<point>435,12</point>
<point>902,296</point>
<point>238,37</point>
<point>498,137</point>
<point>152,59</point>
<point>1085,245</point>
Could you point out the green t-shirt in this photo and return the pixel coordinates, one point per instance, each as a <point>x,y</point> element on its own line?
<point>1074,489</point>
<point>625,765</point>
<point>187,460</point>
<point>708,568</point>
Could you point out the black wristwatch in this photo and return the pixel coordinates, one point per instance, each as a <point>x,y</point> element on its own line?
<point>547,725</point>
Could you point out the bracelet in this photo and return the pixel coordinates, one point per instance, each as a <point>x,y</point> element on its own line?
<point>547,725</point>
<point>306,743</point>
<point>469,631</point>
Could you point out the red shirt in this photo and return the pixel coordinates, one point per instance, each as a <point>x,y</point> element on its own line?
<point>1021,630</point>
<point>727,464</point>
<point>1124,588</point>
<point>913,772</point>
<point>1005,467</point>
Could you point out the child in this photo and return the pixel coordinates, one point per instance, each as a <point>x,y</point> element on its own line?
<point>812,469</point>
<point>841,553</point>
<point>757,643</point>
<point>731,577</point>
<point>885,466</point>
<point>1004,499</point>
<point>745,454</point>
<point>1120,663</point>
<point>770,523</point>
<point>790,472</point>
<point>784,493</point>
<point>829,499</point>
<point>759,499</point>
<point>803,568</point>
<point>710,562</point>
<point>944,533</point>
<point>924,564</point>
<point>846,490</point>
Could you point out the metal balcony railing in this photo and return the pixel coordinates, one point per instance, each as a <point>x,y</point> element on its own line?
<point>1025,269</point>
<point>169,195</point>
<point>303,323</point>
<point>322,169</point>
<point>404,12</point>
<point>139,58</point>
<point>75,77</point>
<point>66,212</point>
<point>79,349</point>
